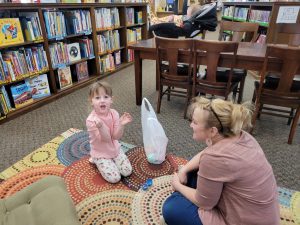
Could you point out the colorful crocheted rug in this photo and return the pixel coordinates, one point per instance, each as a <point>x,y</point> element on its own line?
<point>99,202</point>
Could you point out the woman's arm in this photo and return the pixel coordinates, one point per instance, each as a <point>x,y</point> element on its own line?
<point>207,194</point>
<point>193,164</point>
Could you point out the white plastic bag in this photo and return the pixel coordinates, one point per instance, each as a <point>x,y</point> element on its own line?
<point>154,137</point>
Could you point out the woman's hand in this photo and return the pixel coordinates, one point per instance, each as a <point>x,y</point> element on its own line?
<point>182,174</point>
<point>175,182</point>
<point>125,119</point>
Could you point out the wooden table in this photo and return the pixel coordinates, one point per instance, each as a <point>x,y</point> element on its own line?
<point>250,56</point>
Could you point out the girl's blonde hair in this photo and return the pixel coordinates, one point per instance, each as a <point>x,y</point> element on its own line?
<point>94,89</point>
<point>229,118</point>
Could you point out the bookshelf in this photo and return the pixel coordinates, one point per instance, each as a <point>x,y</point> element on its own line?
<point>118,51</point>
<point>263,13</point>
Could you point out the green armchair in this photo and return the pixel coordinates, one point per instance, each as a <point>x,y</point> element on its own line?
<point>45,202</point>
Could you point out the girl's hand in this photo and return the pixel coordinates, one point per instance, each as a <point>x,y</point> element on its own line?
<point>175,182</point>
<point>98,123</point>
<point>125,119</point>
<point>182,176</point>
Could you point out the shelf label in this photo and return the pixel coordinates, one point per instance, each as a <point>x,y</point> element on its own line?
<point>287,14</point>
<point>61,66</point>
<point>59,38</point>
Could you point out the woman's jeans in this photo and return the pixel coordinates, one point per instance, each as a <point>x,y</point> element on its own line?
<point>178,210</point>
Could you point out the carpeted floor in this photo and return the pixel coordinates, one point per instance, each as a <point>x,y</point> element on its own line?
<point>22,135</point>
<point>99,202</point>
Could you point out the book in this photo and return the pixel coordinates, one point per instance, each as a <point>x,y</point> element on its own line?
<point>3,111</point>
<point>21,95</point>
<point>6,98</point>
<point>82,71</point>
<point>64,77</point>
<point>261,39</point>
<point>138,17</point>
<point>117,56</point>
<point>10,31</point>
<point>73,52</point>
<point>129,16</point>
<point>130,55</point>
<point>39,86</point>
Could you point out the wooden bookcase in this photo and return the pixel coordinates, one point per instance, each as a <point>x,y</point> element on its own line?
<point>270,28</point>
<point>93,63</point>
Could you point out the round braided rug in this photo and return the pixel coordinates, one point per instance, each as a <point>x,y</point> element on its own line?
<point>147,205</point>
<point>83,180</point>
<point>45,155</point>
<point>77,145</point>
<point>74,148</point>
<point>27,177</point>
<point>109,207</point>
<point>142,169</point>
<point>289,202</point>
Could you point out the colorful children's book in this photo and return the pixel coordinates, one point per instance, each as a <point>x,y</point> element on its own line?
<point>64,77</point>
<point>39,86</point>
<point>21,94</point>
<point>74,52</point>
<point>82,71</point>
<point>10,31</point>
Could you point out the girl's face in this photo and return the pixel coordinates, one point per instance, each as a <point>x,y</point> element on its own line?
<point>101,102</point>
<point>199,125</point>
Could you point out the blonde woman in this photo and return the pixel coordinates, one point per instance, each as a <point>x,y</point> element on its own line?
<point>228,183</point>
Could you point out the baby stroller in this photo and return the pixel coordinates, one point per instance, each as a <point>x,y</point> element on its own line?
<point>204,19</point>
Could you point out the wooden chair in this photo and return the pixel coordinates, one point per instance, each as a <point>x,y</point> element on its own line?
<point>239,32</point>
<point>167,53</point>
<point>246,32</point>
<point>272,79</point>
<point>291,29</point>
<point>284,94</point>
<point>211,51</point>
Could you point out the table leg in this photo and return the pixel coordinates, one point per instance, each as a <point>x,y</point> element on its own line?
<point>157,78</point>
<point>138,66</point>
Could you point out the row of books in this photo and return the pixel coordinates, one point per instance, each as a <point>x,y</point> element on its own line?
<point>70,1</point>
<point>35,88</point>
<point>241,13</point>
<point>228,11</point>
<point>108,41</point>
<point>134,34</point>
<point>259,16</point>
<point>66,77</point>
<point>130,55</point>
<point>16,64</point>
<point>31,26</point>
<point>109,62</point>
<point>107,18</point>
<point>24,93</point>
<point>5,106</point>
<point>62,23</point>
<point>78,21</point>
<point>62,53</point>
<point>133,17</point>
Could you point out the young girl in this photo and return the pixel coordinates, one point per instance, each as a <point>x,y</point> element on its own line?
<point>105,128</point>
